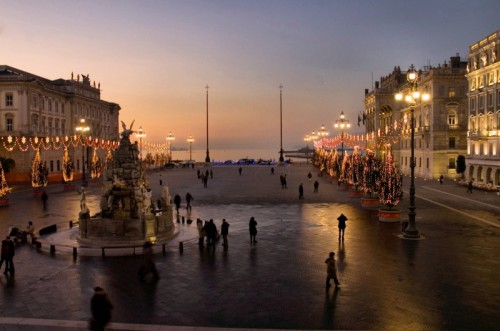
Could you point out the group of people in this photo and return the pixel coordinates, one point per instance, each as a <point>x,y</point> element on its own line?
<point>9,246</point>
<point>209,230</point>
<point>204,176</point>
<point>178,201</point>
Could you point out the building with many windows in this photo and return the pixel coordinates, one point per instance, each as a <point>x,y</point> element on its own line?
<point>483,145</point>
<point>33,106</point>
<point>440,122</point>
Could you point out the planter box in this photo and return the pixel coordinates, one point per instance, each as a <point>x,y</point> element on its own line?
<point>370,202</point>
<point>355,193</point>
<point>344,186</point>
<point>37,192</point>
<point>69,187</point>
<point>390,216</point>
<point>4,202</point>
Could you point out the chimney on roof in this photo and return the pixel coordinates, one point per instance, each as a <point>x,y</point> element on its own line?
<point>455,61</point>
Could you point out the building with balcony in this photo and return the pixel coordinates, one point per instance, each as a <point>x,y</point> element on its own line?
<point>33,106</point>
<point>440,122</point>
<point>483,139</point>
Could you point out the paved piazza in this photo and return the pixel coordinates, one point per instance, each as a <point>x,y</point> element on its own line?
<point>447,281</point>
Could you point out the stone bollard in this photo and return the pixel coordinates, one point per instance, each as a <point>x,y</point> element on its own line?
<point>52,249</point>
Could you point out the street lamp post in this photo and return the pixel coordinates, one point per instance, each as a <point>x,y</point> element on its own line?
<point>170,139</point>
<point>83,128</point>
<point>190,140</point>
<point>141,134</point>
<point>307,139</point>
<point>342,124</point>
<point>281,159</point>
<point>207,158</point>
<point>412,96</point>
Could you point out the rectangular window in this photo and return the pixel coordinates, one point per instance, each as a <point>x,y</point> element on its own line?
<point>427,161</point>
<point>481,102</point>
<point>63,127</point>
<point>490,100</point>
<point>50,105</point>
<point>472,104</point>
<point>451,163</point>
<point>51,166</point>
<point>452,119</point>
<point>451,143</point>
<point>10,124</point>
<point>451,92</point>
<point>58,165</point>
<point>62,108</point>
<point>34,101</point>
<point>420,162</point>
<point>9,99</point>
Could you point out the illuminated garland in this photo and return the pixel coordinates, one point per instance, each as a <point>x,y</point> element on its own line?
<point>23,144</point>
<point>4,187</point>
<point>68,168</point>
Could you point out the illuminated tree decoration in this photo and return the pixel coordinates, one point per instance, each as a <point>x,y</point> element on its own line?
<point>345,169</point>
<point>148,160</point>
<point>68,167</point>
<point>371,173</point>
<point>39,172</point>
<point>96,166</point>
<point>4,187</point>
<point>390,183</point>
<point>356,172</point>
<point>109,158</point>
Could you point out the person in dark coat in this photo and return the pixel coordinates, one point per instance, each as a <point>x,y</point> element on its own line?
<point>148,266</point>
<point>240,170</point>
<point>177,202</point>
<point>469,188</point>
<point>224,231</point>
<point>189,198</point>
<point>100,307</point>
<point>45,197</point>
<point>253,230</point>
<point>211,231</point>
<point>331,270</point>
<point>342,219</point>
<point>316,186</point>
<point>4,253</point>
<point>301,191</point>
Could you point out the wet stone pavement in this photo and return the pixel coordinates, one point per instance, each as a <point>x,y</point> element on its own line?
<point>448,281</point>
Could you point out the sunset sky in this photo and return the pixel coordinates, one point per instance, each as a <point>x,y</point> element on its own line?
<point>155,58</point>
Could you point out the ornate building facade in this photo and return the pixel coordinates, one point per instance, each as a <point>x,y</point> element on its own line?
<point>440,122</point>
<point>33,106</point>
<point>483,145</point>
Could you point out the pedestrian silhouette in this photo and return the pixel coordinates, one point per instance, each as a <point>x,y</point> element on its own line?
<point>469,188</point>
<point>301,191</point>
<point>316,186</point>
<point>331,270</point>
<point>189,198</point>
<point>224,231</point>
<point>177,202</point>
<point>342,219</point>
<point>253,230</point>
<point>240,170</point>
<point>161,181</point>
<point>100,307</point>
<point>148,266</point>
<point>45,197</point>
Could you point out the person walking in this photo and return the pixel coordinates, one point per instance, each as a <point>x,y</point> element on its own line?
<point>45,197</point>
<point>441,179</point>
<point>253,230</point>
<point>316,186</point>
<point>301,191</point>
<point>161,181</point>
<point>201,233</point>
<point>189,198</point>
<point>177,202</point>
<point>3,254</point>
<point>224,231</point>
<point>211,230</point>
<point>100,307</point>
<point>272,170</point>
<point>342,219</point>
<point>309,176</point>
<point>148,266</point>
<point>469,188</point>
<point>331,271</point>
<point>8,252</point>
<point>240,170</point>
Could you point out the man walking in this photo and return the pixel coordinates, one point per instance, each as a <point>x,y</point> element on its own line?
<point>301,191</point>
<point>45,197</point>
<point>189,198</point>
<point>100,307</point>
<point>316,186</point>
<point>469,188</point>
<point>342,219</point>
<point>331,271</point>
<point>224,231</point>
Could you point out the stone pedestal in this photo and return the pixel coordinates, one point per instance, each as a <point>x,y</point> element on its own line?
<point>69,187</point>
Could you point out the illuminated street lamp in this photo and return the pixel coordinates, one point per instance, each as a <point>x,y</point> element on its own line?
<point>190,140</point>
<point>83,129</point>
<point>411,97</point>
<point>170,139</point>
<point>307,139</point>
<point>342,124</point>
<point>322,132</point>
<point>140,134</point>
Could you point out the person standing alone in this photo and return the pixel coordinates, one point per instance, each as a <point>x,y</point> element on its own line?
<point>342,219</point>
<point>253,230</point>
<point>224,231</point>
<point>331,270</point>
<point>100,307</point>
<point>301,191</point>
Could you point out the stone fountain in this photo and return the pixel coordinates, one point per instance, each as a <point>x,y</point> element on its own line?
<point>128,215</point>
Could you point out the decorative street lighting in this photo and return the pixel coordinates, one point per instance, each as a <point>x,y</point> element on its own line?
<point>322,132</point>
<point>170,139</point>
<point>190,140</point>
<point>411,97</point>
<point>141,134</point>
<point>83,128</point>
<point>207,158</point>
<point>342,124</point>
<point>281,159</point>
<point>307,139</point>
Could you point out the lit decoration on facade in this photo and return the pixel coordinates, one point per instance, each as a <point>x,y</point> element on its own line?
<point>39,172</point>
<point>4,187</point>
<point>96,166</point>
<point>68,167</point>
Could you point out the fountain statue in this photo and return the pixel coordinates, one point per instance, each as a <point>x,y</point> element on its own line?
<point>128,214</point>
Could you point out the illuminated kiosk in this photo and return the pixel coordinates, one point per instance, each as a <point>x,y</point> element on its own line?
<point>128,214</point>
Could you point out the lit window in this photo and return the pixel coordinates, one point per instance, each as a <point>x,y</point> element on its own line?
<point>451,163</point>
<point>451,92</point>
<point>452,119</point>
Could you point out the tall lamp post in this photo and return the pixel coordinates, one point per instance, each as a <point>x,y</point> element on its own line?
<point>281,159</point>
<point>170,139</point>
<point>322,132</point>
<point>140,134</point>
<point>207,158</point>
<point>342,124</point>
<point>190,140</point>
<point>411,97</point>
<point>82,129</point>
<point>307,139</point>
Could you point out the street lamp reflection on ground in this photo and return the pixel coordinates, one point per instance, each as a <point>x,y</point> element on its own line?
<point>140,134</point>
<point>411,97</point>
<point>342,124</point>
<point>83,129</point>
<point>190,140</point>
<point>170,139</point>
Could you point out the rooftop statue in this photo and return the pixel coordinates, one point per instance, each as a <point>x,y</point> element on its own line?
<point>127,132</point>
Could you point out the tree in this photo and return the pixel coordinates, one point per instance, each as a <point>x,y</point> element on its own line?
<point>39,172</point>
<point>67,167</point>
<point>461,165</point>
<point>371,173</point>
<point>4,187</point>
<point>390,187</point>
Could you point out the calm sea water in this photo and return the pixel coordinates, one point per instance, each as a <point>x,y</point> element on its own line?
<point>221,155</point>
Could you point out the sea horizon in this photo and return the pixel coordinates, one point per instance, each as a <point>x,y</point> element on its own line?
<point>221,155</point>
